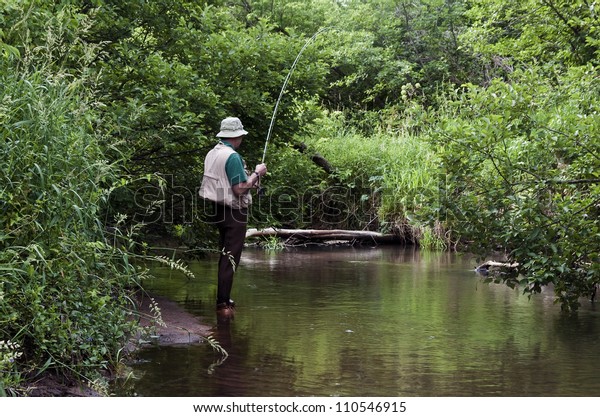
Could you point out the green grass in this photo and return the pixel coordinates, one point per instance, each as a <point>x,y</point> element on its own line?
<point>392,172</point>
<point>64,293</point>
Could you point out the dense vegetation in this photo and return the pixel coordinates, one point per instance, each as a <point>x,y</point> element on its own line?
<point>457,124</point>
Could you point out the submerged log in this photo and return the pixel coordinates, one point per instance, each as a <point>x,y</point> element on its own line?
<point>315,234</point>
<point>487,265</point>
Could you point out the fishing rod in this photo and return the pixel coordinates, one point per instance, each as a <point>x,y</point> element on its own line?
<point>261,190</point>
<point>285,82</point>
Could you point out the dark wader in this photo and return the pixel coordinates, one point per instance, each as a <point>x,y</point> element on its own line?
<point>231,224</point>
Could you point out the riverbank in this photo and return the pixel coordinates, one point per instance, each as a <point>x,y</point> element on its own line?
<point>172,326</point>
<point>162,322</point>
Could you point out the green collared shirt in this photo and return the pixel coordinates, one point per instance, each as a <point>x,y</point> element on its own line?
<point>234,167</point>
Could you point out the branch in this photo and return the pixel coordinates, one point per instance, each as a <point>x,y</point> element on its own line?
<point>313,234</point>
<point>581,181</point>
<point>563,18</point>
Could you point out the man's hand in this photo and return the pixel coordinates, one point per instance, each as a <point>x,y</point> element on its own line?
<point>252,182</point>
<point>261,169</point>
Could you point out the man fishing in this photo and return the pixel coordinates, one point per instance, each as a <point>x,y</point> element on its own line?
<point>226,186</point>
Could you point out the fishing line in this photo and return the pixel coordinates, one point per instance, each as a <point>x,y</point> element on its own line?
<point>285,82</point>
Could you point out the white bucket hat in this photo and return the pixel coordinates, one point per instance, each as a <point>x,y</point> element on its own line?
<point>231,127</point>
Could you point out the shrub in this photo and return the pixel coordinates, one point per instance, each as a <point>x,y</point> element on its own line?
<point>522,166</point>
<point>64,292</point>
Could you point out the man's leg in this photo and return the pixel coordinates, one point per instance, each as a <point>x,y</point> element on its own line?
<point>232,235</point>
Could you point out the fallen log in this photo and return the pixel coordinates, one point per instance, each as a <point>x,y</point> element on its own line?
<point>315,234</point>
<point>487,265</point>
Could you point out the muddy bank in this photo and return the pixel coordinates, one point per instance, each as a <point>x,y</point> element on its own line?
<point>173,326</point>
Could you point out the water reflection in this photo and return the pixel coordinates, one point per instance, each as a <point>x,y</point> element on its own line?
<point>372,322</point>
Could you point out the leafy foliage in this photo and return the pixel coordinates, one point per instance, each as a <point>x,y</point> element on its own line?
<point>382,46</point>
<point>546,32</point>
<point>522,166</point>
<point>471,123</point>
<point>64,290</point>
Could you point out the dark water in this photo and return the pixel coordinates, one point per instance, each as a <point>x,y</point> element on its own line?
<point>371,322</point>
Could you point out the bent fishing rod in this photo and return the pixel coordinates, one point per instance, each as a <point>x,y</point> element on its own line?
<point>283,87</point>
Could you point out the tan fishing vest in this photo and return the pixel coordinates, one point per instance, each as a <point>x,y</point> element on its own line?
<point>215,184</point>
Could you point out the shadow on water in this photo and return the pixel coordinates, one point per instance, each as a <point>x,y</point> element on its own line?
<point>386,321</point>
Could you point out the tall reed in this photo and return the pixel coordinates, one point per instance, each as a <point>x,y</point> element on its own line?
<point>65,290</point>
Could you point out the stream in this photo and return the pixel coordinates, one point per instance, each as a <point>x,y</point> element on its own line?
<point>384,321</point>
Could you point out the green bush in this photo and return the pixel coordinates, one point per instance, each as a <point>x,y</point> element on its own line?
<point>289,188</point>
<point>522,176</point>
<point>64,292</point>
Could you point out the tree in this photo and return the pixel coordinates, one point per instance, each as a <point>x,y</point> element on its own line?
<point>385,46</point>
<point>534,32</point>
<point>521,175</point>
<point>172,70</point>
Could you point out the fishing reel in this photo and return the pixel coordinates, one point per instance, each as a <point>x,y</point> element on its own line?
<point>261,191</point>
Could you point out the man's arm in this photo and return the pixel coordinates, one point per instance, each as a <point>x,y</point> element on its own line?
<point>244,187</point>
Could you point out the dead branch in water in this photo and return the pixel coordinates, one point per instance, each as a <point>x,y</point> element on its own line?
<point>314,234</point>
<point>487,265</point>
